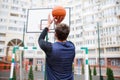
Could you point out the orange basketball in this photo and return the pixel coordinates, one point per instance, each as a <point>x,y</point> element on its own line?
<point>58,11</point>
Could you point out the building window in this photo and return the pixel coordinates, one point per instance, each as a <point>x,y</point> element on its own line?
<point>2,20</point>
<point>79,61</point>
<point>78,21</point>
<point>3,27</point>
<point>12,28</point>
<point>23,10</point>
<point>92,51</point>
<point>102,62</point>
<point>14,8</point>
<point>23,16</point>
<point>39,62</point>
<point>20,29</point>
<point>72,22</point>
<point>5,0</point>
<point>115,62</point>
<point>112,49</point>
<point>1,50</point>
<point>15,1</point>
<point>2,42</point>
<point>4,6</point>
<point>15,29</point>
<point>92,61</point>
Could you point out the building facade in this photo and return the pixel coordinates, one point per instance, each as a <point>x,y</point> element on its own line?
<point>94,24</point>
<point>13,20</point>
<point>89,16</point>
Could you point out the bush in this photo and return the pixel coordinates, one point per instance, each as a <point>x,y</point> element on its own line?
<point>30,75</point>
<point>82,68</point>
<point>94,71</point>
<point>90,75</point>
<point>109,74</point>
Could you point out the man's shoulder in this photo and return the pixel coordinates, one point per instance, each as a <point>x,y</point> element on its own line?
<point>71,42</point>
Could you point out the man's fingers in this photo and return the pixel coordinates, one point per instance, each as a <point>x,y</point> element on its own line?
<point>49,19</point>
<point>61,18</point>
<point>58,19</point>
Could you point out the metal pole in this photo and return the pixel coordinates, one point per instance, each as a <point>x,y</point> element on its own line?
<point>86,63</point>
<point>12,64</point>
<point>21,55</point>
<point>101,78</point>
<point>21,66</point>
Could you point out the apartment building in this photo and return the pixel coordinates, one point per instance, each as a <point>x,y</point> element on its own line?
<point>86,17</point>
<point>13,20</point>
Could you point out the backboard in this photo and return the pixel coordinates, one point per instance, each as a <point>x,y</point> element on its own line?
<point>37,19</point>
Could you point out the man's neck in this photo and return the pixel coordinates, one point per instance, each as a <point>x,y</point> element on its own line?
<point>60,41</point>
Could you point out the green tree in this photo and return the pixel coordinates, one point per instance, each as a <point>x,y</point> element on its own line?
<point>90,75</point>
<point>109,74</point>
<point>94,71</point>
<point>14,74</point>
<point>82,68</point>
<point>30,75</point>
<point>36,68</point>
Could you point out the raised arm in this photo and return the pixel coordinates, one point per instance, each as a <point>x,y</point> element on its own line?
<point>44,45</point>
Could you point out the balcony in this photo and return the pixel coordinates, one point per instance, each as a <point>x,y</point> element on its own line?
<point>112,4</point>
<point>2,53</point>
<point>3,28</point>
<point>3,31</point>
<point>110,55</point>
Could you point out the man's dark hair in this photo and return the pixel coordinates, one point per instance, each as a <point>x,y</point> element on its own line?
<point>62,31</point>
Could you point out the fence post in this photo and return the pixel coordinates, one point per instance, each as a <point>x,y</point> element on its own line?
<point>13,62</point>
<point>86,63</point>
